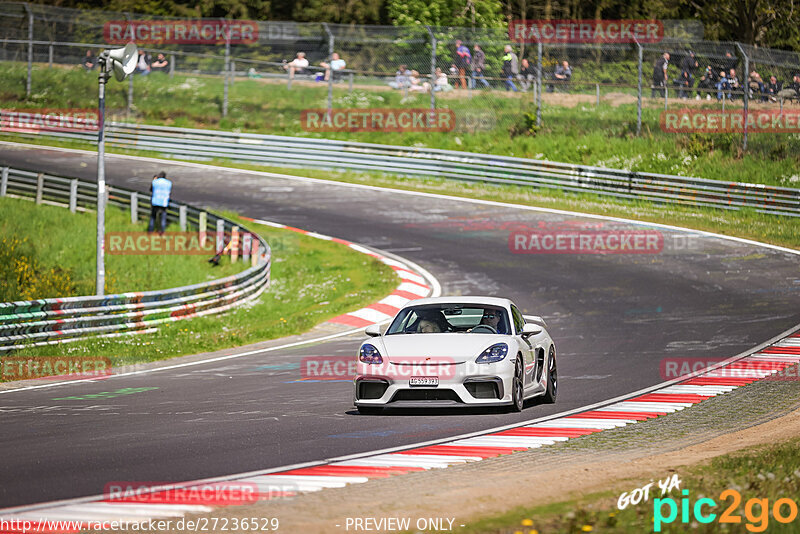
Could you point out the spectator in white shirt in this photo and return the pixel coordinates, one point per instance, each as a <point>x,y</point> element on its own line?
<point>298,65</point>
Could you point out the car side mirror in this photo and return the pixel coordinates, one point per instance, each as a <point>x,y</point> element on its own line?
<point>373,330</point>
<point>530,329</point>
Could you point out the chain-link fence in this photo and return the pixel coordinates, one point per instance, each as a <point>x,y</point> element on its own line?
<point>482,79</point>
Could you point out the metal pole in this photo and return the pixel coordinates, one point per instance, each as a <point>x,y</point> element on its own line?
<point>134,207</point>
<point>73,195</point>
<point>101,180</point>
<point>130,98</point>
<point>746,91</point>
<point>330,69</point>
<point>233,71</point>
<point>30,50</point>
<point>597,88</point>
<point>4,182</point>
<point>225,70</point>
<point>639,95</point>
<point>171,65</point>
<point>50,56</point>
<point>539,83</point>
<point>433,67</point>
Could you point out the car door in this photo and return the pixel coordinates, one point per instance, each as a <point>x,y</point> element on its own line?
<point>525,345</point>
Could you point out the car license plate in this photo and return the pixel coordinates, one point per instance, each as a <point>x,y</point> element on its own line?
<point>423,381</point>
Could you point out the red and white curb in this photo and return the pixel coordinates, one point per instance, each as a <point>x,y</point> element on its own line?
<point>413,285</point>
<point>282,482</point>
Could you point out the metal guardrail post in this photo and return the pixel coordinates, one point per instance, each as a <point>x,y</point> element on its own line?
<point>234,244</point>
<point>134,207</point>
<point>597,89</point>
<point>539,83</point>
<point>4,182</point>
<point>73,195</point>
<point>220,235</point>
<point>182,217</point>
<point>130,97</point>
<point>50,56</point>
<point>39,187</point>
<point>254,253</point>
<point>666,97</point>
<point>202,227</point>
<point>350,83</point>
<point>639,94</point>
<point>30,50</point>
<point>746,91</point>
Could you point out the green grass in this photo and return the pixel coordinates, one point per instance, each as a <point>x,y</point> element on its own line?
<point>61,245</point>
<point>583,133</point>
<point>312,280</point>
<point>765,472</point>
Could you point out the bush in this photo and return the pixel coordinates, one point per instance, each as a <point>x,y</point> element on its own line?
<point>24,278</point>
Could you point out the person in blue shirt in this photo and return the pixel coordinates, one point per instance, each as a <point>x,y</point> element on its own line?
<point>159,201</point>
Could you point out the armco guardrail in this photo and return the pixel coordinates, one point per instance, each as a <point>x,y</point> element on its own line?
<point>48,321</point>
<point>301,152</point>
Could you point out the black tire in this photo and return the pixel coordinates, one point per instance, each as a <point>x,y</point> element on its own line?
<point>369,410</point>
<point>517,388</point>
<point>552,378</point>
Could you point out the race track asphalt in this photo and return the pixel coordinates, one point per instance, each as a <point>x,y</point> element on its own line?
<point>616,318</point>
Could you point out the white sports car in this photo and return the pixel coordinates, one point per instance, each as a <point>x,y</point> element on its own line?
<point>456,351</point>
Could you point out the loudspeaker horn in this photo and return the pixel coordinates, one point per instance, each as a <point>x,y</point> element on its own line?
<point>123,61</point>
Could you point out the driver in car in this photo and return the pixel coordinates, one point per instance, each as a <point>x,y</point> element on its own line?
<point>492,318</point>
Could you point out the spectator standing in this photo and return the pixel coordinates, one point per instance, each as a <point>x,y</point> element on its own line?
<point>526,75</point>
<point>686,81</point>
<point>660,76</point>
<point>160,64</point>
<point>478,65</point>
<point>733,84</point>
<point>510,68</point>
<point>160,189</point>
<point>722,85</point>
<point>773,88</point>
<point>89,60</point>
<point>336,64</point>
<point>143,65</point>
<point>296,66</point>
<point>463,60</point>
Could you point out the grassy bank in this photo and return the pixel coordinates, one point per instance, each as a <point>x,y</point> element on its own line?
<point>574,129</point>
<point>46,251</point>
<point>312,281</point>
<point>767,473</point>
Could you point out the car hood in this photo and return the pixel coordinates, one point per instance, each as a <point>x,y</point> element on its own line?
<point>449,347</point>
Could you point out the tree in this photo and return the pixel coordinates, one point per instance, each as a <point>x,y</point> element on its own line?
<point>470,13</point>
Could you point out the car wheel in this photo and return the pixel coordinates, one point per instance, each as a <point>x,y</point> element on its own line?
<point>552,378</point>
<point>517,388</point>
<point>369,410</point>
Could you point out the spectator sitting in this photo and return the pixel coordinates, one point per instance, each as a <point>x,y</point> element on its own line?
<point>297,66</point>
<point>756,86</point>
<point>562,75</point>
<point>336,64</point>
<point>415,85</point>
<point>792,90</point>
<point>526,75</point>
<point>733,84</point>
<point>463,59</point>
<point>707,81</point>
<point>453,72</point>
<point>440,82</point>
<point>160,64</point>
<point>89,61</point>
<point>773,88</point>
<point>143,65</point>
<point>686,80</point>
<point>253,73</point>
<point>401,78</point>
<point>478,64</point>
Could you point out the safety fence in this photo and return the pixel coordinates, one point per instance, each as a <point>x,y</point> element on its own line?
<point>56,320</point>
<point>618,74</point>
<point>297,152</point>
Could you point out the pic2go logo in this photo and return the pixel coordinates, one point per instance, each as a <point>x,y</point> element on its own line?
<point>756,511</point>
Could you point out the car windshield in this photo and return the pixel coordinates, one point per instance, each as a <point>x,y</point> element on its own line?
<point>443,318</point>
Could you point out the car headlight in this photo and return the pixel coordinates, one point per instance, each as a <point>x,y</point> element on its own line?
<point>493,354</point>
<point>369,354</point>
